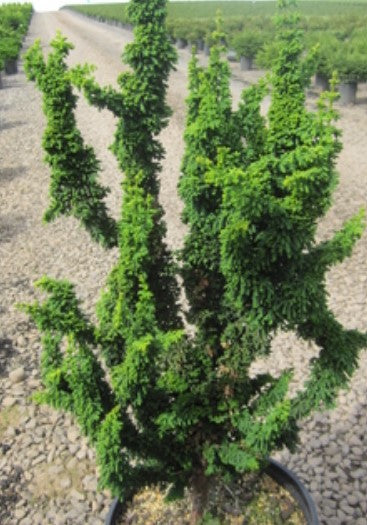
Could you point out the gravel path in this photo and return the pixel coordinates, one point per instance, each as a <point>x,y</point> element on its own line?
<point>47,471</point>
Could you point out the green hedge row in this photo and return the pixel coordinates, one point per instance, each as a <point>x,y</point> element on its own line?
<point>14,21</point>
<point>103,12</point>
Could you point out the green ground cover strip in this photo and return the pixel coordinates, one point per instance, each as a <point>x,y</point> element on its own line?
<point>232,8</point>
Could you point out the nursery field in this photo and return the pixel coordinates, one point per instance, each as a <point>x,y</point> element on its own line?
<point>233,8</point>
<point>338,27</point>
<point>47,469</point>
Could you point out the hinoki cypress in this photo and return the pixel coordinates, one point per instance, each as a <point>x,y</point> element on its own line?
<point>175,409</point>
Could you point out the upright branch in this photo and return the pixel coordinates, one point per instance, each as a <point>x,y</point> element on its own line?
<point>142,114</point>
<point>138,320</point>
<point>74,189</point>
<point>210,124</point>
<point>73,378</point>
<point>257,210</point>
<point>273,269</point>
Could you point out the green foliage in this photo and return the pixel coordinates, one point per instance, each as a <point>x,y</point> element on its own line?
<point>14,21</point>
<point>248,43</point>
<point>173,408</point>
<point>145,265</point>
<point>72,376</point>
<point>211,124</point>
<point>349,59</point>
<point>346,56</point>
<point>235,9</point>
<point>74,189</point>
<point>271,271</point>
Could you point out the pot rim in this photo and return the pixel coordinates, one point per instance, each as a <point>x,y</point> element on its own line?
<point>279,473</point>
<point>288,479</point>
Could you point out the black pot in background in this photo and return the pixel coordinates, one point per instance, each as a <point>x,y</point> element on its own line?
<point>11,67</point>
<point>278,473</point>
<point>322,81</point>
<point>246,63</point>
<point>181,43</point>
<point>348,91</point>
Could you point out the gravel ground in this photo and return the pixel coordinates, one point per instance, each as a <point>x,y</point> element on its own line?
<point>47,471</point>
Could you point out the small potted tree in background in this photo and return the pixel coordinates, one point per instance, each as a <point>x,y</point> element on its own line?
<point>196,34</point>
<point>162,406</point>
<point>247,44</point>
<point>231,26</point>
<point>347,57</point>
<point>9,50</point>
<point>14,20</point>
<point>350,61</point>
<point>181,31</point>
<point>326,43</point>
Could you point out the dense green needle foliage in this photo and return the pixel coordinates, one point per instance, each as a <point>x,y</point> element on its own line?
<point>184,410</point>
<point>74,189</point>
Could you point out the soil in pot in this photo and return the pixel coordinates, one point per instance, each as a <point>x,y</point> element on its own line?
<point>267,504</point>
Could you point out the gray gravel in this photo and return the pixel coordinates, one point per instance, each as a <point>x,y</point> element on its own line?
<point>47,471</point>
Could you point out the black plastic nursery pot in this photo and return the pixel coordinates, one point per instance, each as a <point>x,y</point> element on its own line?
<point>245,63</point>
<point>280,474</point>
<point>200,44</point>
<point>11,67</point>
<point>181,43</point>
<point>232,55</point>
<point>322,81</point>
<point>288,480</point>
<point>348,91</point>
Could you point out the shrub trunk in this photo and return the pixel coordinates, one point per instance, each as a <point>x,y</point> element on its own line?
<point>199,496</point>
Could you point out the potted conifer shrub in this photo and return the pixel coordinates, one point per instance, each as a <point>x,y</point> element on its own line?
<point>196,34</point>
<point>9,50</point>
<point>346,57</point>
<point>247,44</point>
<point>326,43</point>
<point>182,29</point>
<point>163,405</point>
<point>350,61</point>
<point>14,20</point>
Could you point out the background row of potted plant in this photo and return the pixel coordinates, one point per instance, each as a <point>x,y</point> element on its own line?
<point>14,21</point>
<point>338,29</point>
